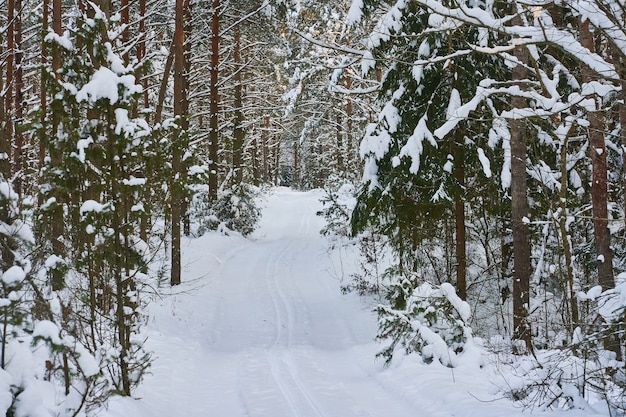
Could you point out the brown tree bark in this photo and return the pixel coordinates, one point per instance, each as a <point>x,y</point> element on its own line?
<point>8,89</point>
<point>140,76</point>
<point>18,157</point>
<point>43,97</point>
<point>238,132</point>
<point>340,145</point>
<point>214,105</point>
<point>565,242</point>
<point>179,107</point>
<point>519,212</point>
<point>460,237</point>
<point>58,29</point>
<point>125,21</point>
<point>350,154</point>
<point>5,141</point>
<point>58,225</point>
<point>185,122</point>
<point>167,69</point>
<point>599,182</point>
<point>265,132</point>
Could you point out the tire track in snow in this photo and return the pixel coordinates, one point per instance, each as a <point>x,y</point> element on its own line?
<point>304,230</point>
<point>288,389</point>
<point>286,355</point>
<point>349,406</point>
<point>253,364</point>
<point>282,368</point>
<point>287,375</point>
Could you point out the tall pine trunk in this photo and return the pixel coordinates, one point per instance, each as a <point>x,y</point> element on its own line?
<point>18,156</point>
<point>8,88</point>
<point>214,106</point>
<point>5,141</point>
<point>599,182</point>
<point>177,147</point>
<point>519,212</point>
<point>238,132</point>
<point>459,217</point>
<point>265,132</point>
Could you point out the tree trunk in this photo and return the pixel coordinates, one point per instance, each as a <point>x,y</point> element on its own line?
<point>141,52</point>
<point>58,223</point>
<point>255,162</point>
<point>18,156</point>
<point>277,163</point>
<point>125,21</point>
<point>177,145</point>
<point>599,187</point>
<point>238,133</point>
<point>340,146</point>
<point>265,131</point>
<point>565,241</point>
<point>459,217</point>
<point>139,75</point>
<point>599,183</point>
<point>214,106</point>
<point>43,97</point>
<point>163,88</point>
<point>187,56</point>
<point>8,90</point>
<point>519,213</point>
<point>5,140</point>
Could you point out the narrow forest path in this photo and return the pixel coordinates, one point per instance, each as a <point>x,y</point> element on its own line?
<point>260,329</point>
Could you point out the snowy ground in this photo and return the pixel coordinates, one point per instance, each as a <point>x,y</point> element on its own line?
<point>260,328</point>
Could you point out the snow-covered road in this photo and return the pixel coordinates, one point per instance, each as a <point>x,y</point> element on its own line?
<point>266,332</point>
<point>260,329</point>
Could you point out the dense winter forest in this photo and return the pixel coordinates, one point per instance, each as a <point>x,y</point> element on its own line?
<point>474,151</point>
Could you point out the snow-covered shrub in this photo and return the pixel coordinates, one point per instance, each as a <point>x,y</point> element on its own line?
<point>236,209</point>
<point>425,319</point>
<point>92,230</point>
<point>571,378</point>
<point>586,371</point>
<point>15,242</point>
<point>338,203</point>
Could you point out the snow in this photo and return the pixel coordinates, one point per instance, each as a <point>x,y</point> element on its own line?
<point>355,13</point>
<point>64,41</point>
<point>459,305</point>
<point>414,145</point>
<point>52,261</point>
<point>388,24</point>
<point>260,328</point>
<point>47,330</point>
<point>484,161</point>
<point>104,84</point>
<point>12,276</point>
<point>133,181</point>
<point>592,294</point>
<point>86,361</point>
<point>91,206</point>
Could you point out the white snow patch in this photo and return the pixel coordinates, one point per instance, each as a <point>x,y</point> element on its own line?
<point>12,276</point>
<point>91,206</point>
<point>47,330</point>
<point>484,161</point>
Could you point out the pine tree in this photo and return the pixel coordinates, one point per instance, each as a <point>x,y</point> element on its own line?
<point>94,180</point>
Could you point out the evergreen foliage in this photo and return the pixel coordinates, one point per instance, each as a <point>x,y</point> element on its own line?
<point>426,320</point>
<point>97,263</point>
<point>237,209</point>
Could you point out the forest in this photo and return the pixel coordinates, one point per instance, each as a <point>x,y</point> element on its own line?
<point>473,151</point>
